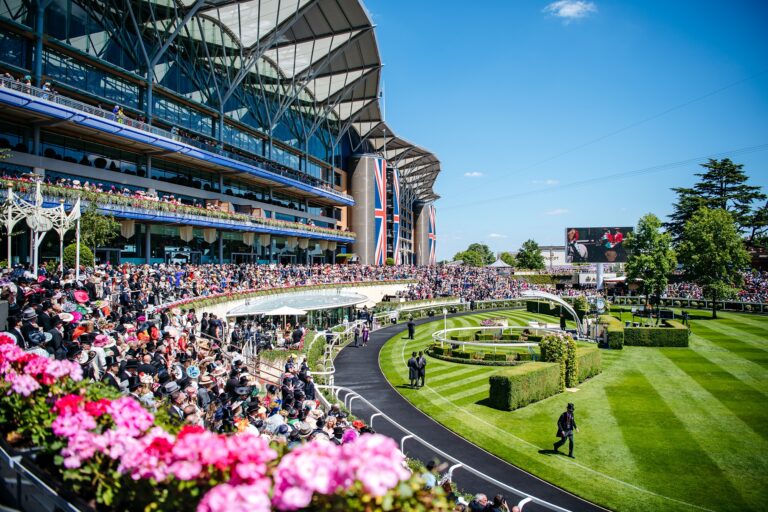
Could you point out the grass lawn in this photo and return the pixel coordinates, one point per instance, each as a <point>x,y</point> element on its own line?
<point>661,428</point>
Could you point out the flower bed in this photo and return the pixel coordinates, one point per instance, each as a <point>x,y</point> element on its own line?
<point>117,455</point>
<point>104,198</point>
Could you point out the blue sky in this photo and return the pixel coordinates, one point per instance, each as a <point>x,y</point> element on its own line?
<point>522,99</point>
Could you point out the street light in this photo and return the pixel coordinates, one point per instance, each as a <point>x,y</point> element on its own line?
<point>445,322</point>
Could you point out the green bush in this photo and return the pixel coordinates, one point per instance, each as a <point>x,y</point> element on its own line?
<point>494,357</point>
<point>523,356</point>
<point>438,350</point>
<point>70,256</point>
<point>534,339</point>
<point>513,388</point>
<point>553,350</point>
<point>615,331</point>
<point>510,337</point>
<point>589,362</point>
<point>483,337</point>
<point>571,363</point>
<point>389,262</point>
<point>673,334</point>
<point>462,337</point>
<point>462,355</point>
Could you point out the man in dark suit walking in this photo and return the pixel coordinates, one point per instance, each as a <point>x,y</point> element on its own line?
<point>566,424</point>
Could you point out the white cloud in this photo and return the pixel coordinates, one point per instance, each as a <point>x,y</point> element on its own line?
<point>570,10</point>
<point>546,182</point>
<point>557,211</point>
<point>496,235</point>
<point>473,174</point>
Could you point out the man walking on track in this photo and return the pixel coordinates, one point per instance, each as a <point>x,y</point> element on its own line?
<point>565,427</point>
<point>413,370</point>
<point>411,329</point>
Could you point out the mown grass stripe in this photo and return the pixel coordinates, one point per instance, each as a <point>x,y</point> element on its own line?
<point>744,401</point>
<point>660,443</point>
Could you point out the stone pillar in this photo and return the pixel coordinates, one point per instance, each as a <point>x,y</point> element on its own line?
<point>148,243</point>
<point>149,167</point>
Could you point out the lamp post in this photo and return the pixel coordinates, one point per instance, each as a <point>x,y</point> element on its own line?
<point>445,323</point>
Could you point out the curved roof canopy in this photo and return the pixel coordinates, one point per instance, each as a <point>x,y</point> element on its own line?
<point>322,54</point>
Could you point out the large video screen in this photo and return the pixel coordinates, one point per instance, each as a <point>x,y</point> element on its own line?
<point>596,245</point>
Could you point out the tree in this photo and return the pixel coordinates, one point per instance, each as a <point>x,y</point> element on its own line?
<point>713,255</point>
<point>508,258</point>
<point>722,186</point>
<point>484,251</point>
<point>529,256</point>
<point>96,229</point>
<point>470,258</point>
<point>651,257</point>
<point>70,256</point>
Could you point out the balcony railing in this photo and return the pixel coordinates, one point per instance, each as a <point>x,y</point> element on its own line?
<point>180,212</point>
<point>204,144</point>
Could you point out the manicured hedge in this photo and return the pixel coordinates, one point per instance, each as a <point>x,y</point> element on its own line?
<point>589,362</point>
<point>673,334</point>
<point>461,355</point>
<point>494,357</point>
<point>483,336</point>
<point>462,337</point>
<point>524,384</point>
<point>510,337</point>
<point>615,331</point>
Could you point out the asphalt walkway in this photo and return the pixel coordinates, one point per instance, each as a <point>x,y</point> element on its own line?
<point>358,369</point>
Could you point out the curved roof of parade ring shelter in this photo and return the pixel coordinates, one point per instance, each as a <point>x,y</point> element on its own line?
<point>308,301</point>
<point>327,48</point>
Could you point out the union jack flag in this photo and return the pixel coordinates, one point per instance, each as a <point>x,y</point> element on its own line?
<point>380,211</point>
<point>432,234</point>
<point>396,215</point>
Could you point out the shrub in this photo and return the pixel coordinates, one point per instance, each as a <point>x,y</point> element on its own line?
<point>678,304</point>
<point>461,337</point>
<point>462,355</point>
<point>673,334</point>
<point>748,308</point>
<point>70,255</point>
<point>571,363</point>
<point>483,337</point>
<point>523,356</point>
<point>510,337</point>
<point>534,339</point>
<point>494,357</point>
<point>390,262</point>
<point>438,350</point>
<point>522,385</point>
<point>553,350</point>
<point>615,331</point>
<point>589,362</point>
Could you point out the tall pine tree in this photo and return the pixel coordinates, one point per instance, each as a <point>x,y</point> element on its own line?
<point>723,185</point>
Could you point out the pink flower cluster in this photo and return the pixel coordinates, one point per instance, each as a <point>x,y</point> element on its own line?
<point>323,468</point>
<point>25,373</point>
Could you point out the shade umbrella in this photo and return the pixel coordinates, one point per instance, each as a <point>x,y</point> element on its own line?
<point>285,311</point>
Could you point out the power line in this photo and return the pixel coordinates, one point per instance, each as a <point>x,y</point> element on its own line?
<point>642,121</point>
<point>615,176</point>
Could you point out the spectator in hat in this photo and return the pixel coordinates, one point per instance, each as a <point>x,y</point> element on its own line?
<point>110,377</point>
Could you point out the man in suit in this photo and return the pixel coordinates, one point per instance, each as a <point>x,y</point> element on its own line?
<point>411,329</point>
<point>422,364</point>
<point>15,331</point>
<point>56,345</point>
<point>110,378</point>
<point>566,424</point>
<point>413,370</point>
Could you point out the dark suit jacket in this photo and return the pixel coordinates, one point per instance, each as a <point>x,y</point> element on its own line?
<point>110,380</point>
<point>56,345</point>
<point>565,424</point>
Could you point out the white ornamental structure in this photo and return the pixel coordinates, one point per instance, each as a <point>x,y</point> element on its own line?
<point>41,220</point>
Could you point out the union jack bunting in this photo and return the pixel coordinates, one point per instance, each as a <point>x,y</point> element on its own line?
<point>396,215</point>
<point>432,235</point>
<point>380,210</point>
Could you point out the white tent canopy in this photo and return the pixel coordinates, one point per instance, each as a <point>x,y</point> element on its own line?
<point>286,311</point>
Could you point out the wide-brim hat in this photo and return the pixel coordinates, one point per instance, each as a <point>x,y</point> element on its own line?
<point>28,314</point>
<point>69,307</point>
<point>81,296</point>
<point>146,378</point>
<point>76,316</point>
<point>104,341</point>
<point>66,317</point>
<point>205,380</point>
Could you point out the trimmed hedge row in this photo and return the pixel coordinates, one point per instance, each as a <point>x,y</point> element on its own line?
<point>548,308</point>
<point>674,334</point>
<point>519,386</point>
<point>589,362</point>
<point>462,356</point>
<point>615,331</point>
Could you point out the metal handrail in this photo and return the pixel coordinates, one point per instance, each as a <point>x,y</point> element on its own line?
<point>410,435</point>
<point>104,114</point>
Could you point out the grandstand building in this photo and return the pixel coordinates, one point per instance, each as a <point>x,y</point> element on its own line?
<point>213,130</point>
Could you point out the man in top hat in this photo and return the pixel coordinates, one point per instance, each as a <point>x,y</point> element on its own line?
<point>110,377</point>
<point>134,383</point>
<point>566,424</point>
